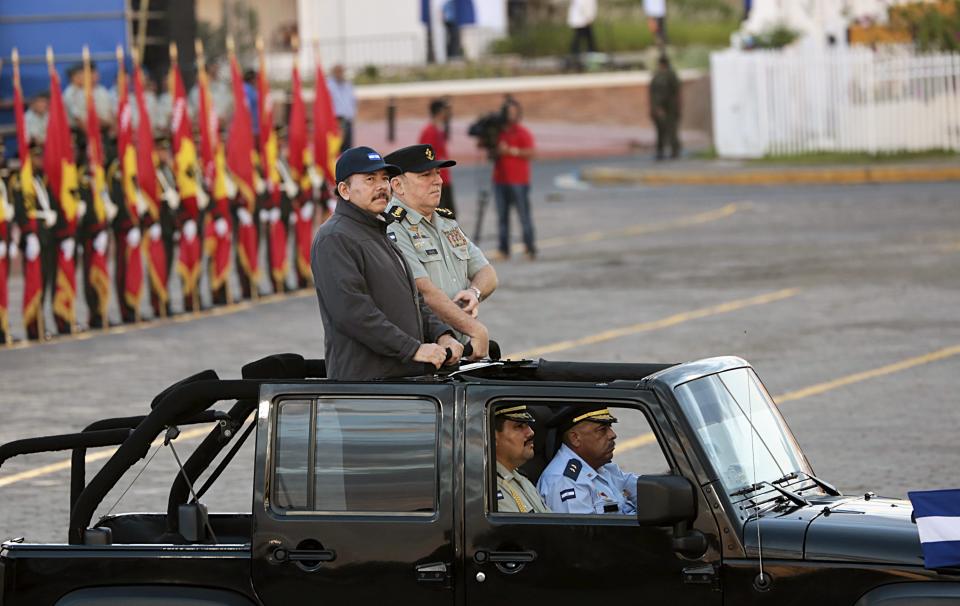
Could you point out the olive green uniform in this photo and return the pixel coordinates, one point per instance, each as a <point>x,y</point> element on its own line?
<point>516,493</point>
<point>665,97</point>
<point>436,249</point>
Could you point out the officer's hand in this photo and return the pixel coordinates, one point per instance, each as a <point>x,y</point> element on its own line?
<point>481,346</point>
<point>431,353</point>
<point>455,347</point>
<point>467,301</point>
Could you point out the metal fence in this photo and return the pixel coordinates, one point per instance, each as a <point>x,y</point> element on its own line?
<point>775,103</point>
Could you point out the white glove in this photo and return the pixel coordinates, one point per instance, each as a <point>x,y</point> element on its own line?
<point>306,211</point>
<point>202,198</point>
<point>14,243</point>
<point>230,187</point>
<point>32,250</point>
<point>244,216</point>
<point>332,204</point>
<point>172,198</point>
<point>133,237</point>
<point>141,203</point>
<point>220,227</point>
<point>67,248</point>
<point>315,180</point>
<point>290,188</point>
<point>100,243</point>
<point>109,207</point>
<point>259,185</point>
<point>264,215</point>
<point>155,232</point>
<point>274,215</point>
<point>81,208</point>
<point>190,230</point>
<point>49,218</point>
<point>3,250</point>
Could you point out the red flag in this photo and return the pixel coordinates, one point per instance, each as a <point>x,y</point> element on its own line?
<point>96,249</point>
<point>217,238</point>
<point>326,129</point>
<point>188,187</point>
<point>301,163</point>
<point>63,187</point>
<point>240,160</point>
<point>32,274</point>
<point>150,188</point>
<point>269,159</point>
<point>132,198</point>
<point>5,216</point>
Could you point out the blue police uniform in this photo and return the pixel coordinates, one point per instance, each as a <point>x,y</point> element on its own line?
<point>570,485</point>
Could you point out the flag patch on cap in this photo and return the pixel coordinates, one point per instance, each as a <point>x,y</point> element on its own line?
<point>373,156</point>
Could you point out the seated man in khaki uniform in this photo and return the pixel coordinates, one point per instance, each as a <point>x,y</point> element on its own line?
<point>514,445</point>
<point>450,271</point>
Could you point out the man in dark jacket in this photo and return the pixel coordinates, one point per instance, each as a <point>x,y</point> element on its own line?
<point>375,323</point>
<point>665,107</point>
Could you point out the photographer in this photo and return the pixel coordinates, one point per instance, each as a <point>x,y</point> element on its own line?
<point>435,135</point>
<point>511,178</point>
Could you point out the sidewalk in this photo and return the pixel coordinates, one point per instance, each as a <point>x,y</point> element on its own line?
<point>736,172</point>
<point>553,140</point>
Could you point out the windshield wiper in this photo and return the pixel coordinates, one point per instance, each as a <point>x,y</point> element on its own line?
<point>792,496</point>
<point>827,487</point>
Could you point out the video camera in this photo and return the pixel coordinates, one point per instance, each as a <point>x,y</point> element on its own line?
<point>486,130</point>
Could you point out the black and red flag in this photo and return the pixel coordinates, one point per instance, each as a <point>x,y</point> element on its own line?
<point>269,164</point>
<point>62,185</point>
<point>129,266</point>
<point>29,221</point>
<point>187,172</point>
<point>240,161</point>
<point>301,167</point>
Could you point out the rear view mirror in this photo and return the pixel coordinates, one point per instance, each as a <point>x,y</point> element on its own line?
<point>665,500</point>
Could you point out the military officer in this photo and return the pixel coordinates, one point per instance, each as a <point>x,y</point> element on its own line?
<point>582,478</point>
<point>450,271</point>
<point>514,444</point>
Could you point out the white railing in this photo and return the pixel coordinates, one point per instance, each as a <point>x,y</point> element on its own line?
<point>775,103</point>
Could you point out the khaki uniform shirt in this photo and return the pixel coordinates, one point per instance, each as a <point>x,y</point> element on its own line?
<point>437,249</point>
<point>516,493</point>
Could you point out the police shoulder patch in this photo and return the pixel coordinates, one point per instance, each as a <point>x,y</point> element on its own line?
<point>572,470</point>
<point>392,236</point>
<point>566,495</point>
<point>499,495</point>
<point>397,212</point>
<point>446,213</point>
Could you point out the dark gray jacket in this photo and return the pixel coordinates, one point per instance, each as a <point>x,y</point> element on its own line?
<point>374,319</point>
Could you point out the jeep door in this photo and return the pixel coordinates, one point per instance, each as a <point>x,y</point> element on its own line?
<point>353,501</point>
<point>574,559</point>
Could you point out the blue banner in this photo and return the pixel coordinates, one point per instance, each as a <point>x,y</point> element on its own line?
<point>937,513</point>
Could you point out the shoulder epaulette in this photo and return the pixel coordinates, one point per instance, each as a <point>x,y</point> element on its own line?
<point>572,469</point>
<point>446,213</point>
<point>397,212</point>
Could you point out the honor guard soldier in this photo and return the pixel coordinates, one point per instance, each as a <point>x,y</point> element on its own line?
<point>94,239</point>
<point>6,215</point>
<point>582,478</point>
<point>514,444</point>
<point>450,271</point>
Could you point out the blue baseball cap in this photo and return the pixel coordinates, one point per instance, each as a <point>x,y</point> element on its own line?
<point>362,160</point>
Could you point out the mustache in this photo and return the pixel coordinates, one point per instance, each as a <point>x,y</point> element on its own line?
<point>528,441</point>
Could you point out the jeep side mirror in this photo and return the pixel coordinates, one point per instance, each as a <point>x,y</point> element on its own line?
<point>665,500</point>
<point>668,500</point>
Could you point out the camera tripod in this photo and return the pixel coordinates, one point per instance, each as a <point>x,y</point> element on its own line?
<point>484,191</point>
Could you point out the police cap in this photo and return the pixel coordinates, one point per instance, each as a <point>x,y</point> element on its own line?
<point>417,159</point>
<point>360,160</point>
<point>569,416</point>
<point>519,413</point>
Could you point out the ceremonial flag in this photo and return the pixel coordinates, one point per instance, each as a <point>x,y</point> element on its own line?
<point>269,159</point>
<point>61,173</point>
<point>150,189</point>
<point>32,274</point>
<point>132,198</point>
<point>188,186</point>
<point>937,513</point>
<point>96,250</point>
<point>301,163</point>
<point>326,129</point>
<point>5,215</point>
<point>240,161</point>
<point>218,229</point>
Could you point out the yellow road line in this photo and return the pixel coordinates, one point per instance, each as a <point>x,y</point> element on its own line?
<point>214,312</point>
<point>673,320</point>
<point>641,229</point>
<point>45,470</point>
<point>820,388</point>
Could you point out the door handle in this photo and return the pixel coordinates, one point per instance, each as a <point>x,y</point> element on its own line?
<point>507,562</point>
<point>304,555</point>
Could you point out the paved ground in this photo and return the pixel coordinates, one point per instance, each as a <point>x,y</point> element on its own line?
<point>820,284</point>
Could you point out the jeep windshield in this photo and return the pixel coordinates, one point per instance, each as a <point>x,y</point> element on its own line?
<point>744,436</point>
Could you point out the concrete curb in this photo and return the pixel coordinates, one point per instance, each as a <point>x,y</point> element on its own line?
<point>789,176</point>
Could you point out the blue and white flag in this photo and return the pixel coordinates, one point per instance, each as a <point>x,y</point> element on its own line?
<point>938,519</point>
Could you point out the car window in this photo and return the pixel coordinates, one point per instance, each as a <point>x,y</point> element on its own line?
<point>356,455</point>
<point>636,452</point>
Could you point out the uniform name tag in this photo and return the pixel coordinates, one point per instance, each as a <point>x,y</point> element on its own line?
<point>432,251</point>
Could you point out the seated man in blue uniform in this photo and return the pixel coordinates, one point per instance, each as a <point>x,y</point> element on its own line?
<point>581,477</point>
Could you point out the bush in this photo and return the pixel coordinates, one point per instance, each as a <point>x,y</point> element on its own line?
<point>934,27</point>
